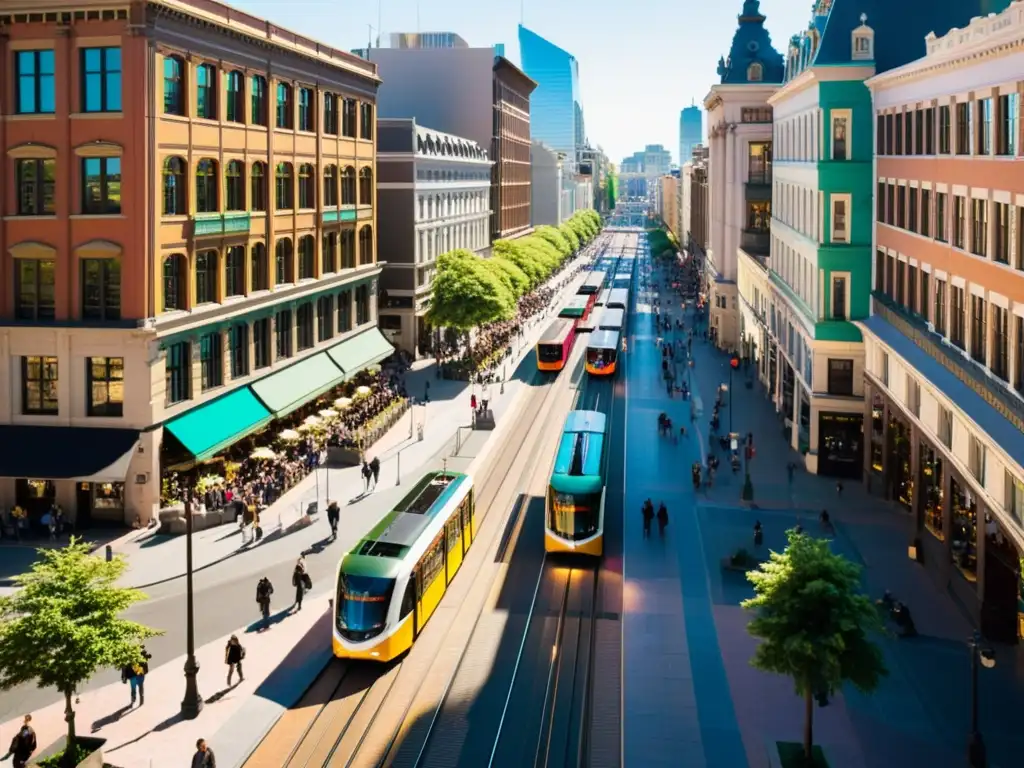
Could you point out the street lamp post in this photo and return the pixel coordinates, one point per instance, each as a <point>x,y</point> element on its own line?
<point>734,363</point>
<point>192,704</point>
<point>976,753</point>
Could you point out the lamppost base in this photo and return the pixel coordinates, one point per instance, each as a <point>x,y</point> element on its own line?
<point>976,754</point>
<point>192,704</point>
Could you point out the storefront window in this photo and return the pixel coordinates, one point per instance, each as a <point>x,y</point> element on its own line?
<point>965,531</point>
<point>901,475</point>
<point>931,488</point>
<point>108,496</point>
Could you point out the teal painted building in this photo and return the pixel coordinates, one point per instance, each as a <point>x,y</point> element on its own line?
<point>820,267</point>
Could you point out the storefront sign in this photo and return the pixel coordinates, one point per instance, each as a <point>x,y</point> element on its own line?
<point>954,363</point>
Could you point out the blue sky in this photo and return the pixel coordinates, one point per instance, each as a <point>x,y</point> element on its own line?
<point>641,61</point>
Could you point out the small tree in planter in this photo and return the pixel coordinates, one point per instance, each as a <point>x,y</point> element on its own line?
<point>814,624</point>
<point>63,625</point>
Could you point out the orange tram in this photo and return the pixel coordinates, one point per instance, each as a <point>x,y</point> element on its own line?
<point>555,345</point>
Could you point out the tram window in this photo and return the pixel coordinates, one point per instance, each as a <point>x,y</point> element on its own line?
<point>409,599</point>
<point>466,509</point>
<point>432,563</point>
<point>452,529</point>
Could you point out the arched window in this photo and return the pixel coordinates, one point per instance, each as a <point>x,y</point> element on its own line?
<point>258,187</point>
<point>307,186</point>
<point>285,106</point>
<point>365,186</point>
<point>348,186</point>
<point>348,249</point>
<point>330,186</point>
<point>206,186</point>
<point>206,91</point>
<point>259,268</point>
<point>234,271</point>
<point>329,255</point>
<point>307,257</point>
<point>366,245</point>
<point>206,277</point>
<point>283,267</point>
<point>174,85</point>
<point>174,283</point>
<point>755,72</point>
<point>234,186</point>
<point>175,187</point>
<point>284,197</point>
<point>235,89</point>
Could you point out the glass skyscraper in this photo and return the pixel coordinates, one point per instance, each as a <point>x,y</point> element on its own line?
<point>556,115</point>
<point>691,132</point>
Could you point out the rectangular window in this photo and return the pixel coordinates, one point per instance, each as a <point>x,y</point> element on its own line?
<point>330,114</point>
<point>759,216</point>
<point>890,204</point>
<point>36,185</point>
<point>840,377</point>
<point>940,217</point>
<point>211,356</point>
<point>840,222</point>
<point>979,329</point>
<point>913,395</point>
<point>1018,355</point>
<point>918,132</point>
<point>898,128</point>
<point>307,109</point>
<point>261,343</point>
<point>959,221</point>
<point>101,185</point>
<point>889,131</point>
<point>234,271</point>
<point>945,129</point>
<point>1006,133</point>
<point>344,312</point>
<point>984,138</point>
<point>285,107</point>
<point>178,372</point>
<point>880,271</point>
<point>840,146</point>
<point>839,298</point>
<point>206,92</point>
<point>238,350</point>
<point>884,368</point>
<point>105,386</point>
<point>283,333</point>
<point>946,427</point>
<point>1000,364</point>
<point>34,89</point>
<point>923,304</point>
<point>976,459</point>
<point>304,321</point>
<point>901,206</point>
<point>35,289</point>
<point>880,134</point>
<point>912,209</point>
<point>365,120</point>
<point>929,131</point>
<point>235,105</point>
<point>101,79</point>
<point>880,202</point>
<point>890,277</point>
<point>979,227</point>
<point>1001,250</point>
<point>957,318</point>
<point>101,289</point>
<point>1014,501</point>
<point>908,133</point>
<point>901,283</point>
<point>963,129</point>
<point>258,100</point>
<point>939,312</point>
<point>39,386</point>
<point>325,318</point>
<point>912,288</point>
<point>348,118</point>
<point>759,162</point>
<point>926,212</point>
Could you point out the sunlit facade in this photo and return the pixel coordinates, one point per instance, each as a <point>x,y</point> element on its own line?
<point>556,116</point>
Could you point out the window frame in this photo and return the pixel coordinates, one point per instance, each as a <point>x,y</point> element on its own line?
<point>839,375</point>
<point>178,372</point>
<point>38,310</point>
<point>234,187</point>
<point>109,308</point>
<point>258,101</point>
<point>284,103</point>
<point>174,84</point>
<point>259,267</point>
<point>104,205</point>
<point>173,282</point>
<point>48,382</point>
<point>238,350</point>
<point>234,97</point>
<point>846,199</point>
<point>837,116</point>
<point>211,361</point>
<point>38,79</point>
<point>111,409</point>
<point>305,104</point>
<point>106,72</point>
<point>234,270</point>
<point>846,277</point>
<point>41,188</point>
<point>208,279</point>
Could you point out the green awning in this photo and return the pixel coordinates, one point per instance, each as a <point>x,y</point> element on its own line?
<point>286,390</point>
<point>210,428</point>
<point>357,353</point>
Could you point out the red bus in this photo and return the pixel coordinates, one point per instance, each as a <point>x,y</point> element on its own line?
<point>555,345</point>
<point>579,306</point>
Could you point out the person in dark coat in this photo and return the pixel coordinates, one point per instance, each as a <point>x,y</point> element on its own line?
<point>234,653</point>
<point>23,744</point>
<point>367,475</point>
<point>135,675</point>
<point>375,470</point>
<point>648,512</point>
<point>333,517</point>
<point>264,589</point>
<point>299,578</point>
<point>662,518</point>
<point>203,758</point>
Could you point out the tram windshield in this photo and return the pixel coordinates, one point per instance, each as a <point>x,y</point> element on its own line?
<point>574,516</point>
<point>600,357</point>
<point>363,605</point>
<point>549,353</point>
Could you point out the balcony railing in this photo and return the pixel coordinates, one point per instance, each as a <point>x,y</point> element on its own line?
<point>760,178</point>
<point>755,241</point>
<point>217,224</point>
<point>966,370</point>
<point>338,214</point>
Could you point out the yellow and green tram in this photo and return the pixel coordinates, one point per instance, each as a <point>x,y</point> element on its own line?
<point>391,582</point>
<point>574,514</point>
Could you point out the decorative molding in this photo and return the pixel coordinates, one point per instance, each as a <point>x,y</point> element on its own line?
<point>32,249</point>
<point>99,148</point>
<point>99,248</point>
<point>32,151</point>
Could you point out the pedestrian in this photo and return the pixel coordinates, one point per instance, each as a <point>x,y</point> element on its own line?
<point>839,488</point>
<point>648,513</point>
<point>23,744</point>
<point>662,519</point>
<point>299,581</point>
<point>367,474</point>
<point>135,675</point>
<point>333,517</point>
<point>203,758</point>
<point>264,589</point>
<point>375,469</point>
<point>234,653</point>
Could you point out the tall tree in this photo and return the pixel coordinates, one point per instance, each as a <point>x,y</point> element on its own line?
<point>63,624</point>
<point>814,623</point>
<point>512,276</point>
<point>569,233</point>
<point>554,237</point>
<point>467,293</point>
<point>514,252</point>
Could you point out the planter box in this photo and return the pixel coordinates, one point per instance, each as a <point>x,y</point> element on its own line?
<point>93,745</point>
<point>343,457</point>
<point>789,754</point>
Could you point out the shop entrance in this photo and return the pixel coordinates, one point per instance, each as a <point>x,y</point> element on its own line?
<point>901,475</point>
<point>35,497</point>
<point>840,445</point>
<point>1001,609</point>
<point>83,505</point>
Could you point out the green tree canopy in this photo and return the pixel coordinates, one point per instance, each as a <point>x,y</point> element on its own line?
<point>814,623</point>
<point>511,275</point>
<point>63,625</point>
<point>543,251</point>
<point>468,293</point>
<point>569,233</point>
<point>556,238</point>
<point>514,252</point>
<point>659,242</point>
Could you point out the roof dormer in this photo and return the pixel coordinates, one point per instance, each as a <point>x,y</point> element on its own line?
<point>862,44</point>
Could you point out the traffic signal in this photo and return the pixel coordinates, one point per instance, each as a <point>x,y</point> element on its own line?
<point>734,362</point>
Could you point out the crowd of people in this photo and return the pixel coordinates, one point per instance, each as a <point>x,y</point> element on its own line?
<point>262,468</point>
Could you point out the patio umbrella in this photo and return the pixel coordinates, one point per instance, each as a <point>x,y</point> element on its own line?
<point>327,413</point>
<point>343,402</point>
<point>312,420</point>
<point>263,454</point>
<point>363,391</point>
<point>289,435</point>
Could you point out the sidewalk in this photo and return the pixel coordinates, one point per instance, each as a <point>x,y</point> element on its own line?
<point>155,558</point>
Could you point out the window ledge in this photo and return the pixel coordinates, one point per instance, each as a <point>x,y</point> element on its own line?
<point>79,216</point>
<point>96,115</point>
<point>176,218</point>
<point>174,118</point>
<point>284,212</point>
<point>27,118</point>
<point>24,217</point>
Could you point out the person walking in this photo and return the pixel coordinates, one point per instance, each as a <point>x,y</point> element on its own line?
<point>264,589</point>
<point>203,758</point>
<point>234,653</point>
<point>662,519</point>
<point>333,517</point>
<point>23,744</point>
<point>367,474</point>
<point>135,675</point>
<point>648,513</point>
<point>299,581</point>
<point>375,470</point>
